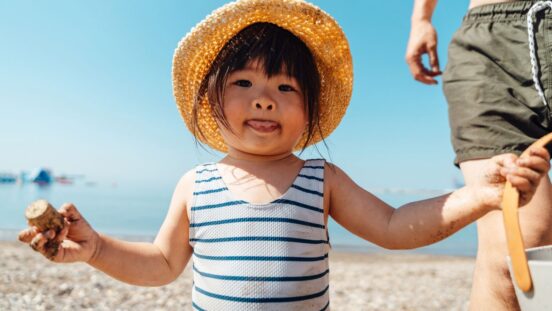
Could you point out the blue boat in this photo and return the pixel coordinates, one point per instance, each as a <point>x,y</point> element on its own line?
<point>42,176</point>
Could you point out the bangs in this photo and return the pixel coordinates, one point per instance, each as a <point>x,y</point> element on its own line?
<point>276,49</point>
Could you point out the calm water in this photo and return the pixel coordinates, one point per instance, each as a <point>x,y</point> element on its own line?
<point>137,212</point>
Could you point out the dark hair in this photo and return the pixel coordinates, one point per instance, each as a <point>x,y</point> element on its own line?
<point>278,51</point>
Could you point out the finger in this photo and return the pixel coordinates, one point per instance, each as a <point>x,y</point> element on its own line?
<point>69,211</point>
<point>521,172</point>
<point>431,73</point>
<point>534,163</point>
<point>50,234</point>
<point>413,58</point>
<point>523,185</point>
<point>540,152</point>
<point>417,69</point>
<point>414,65</point>
<point>62,235</point>
<point>59,255</point>
<point>37,243</point>
<point>26,235</point>
<point>34,244</point>
<point>506,160</point>
<point>503,164</point>
<point>434,60</point>
<point>425,77</point>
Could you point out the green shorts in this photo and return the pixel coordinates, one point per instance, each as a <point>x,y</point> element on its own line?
<point>494,107</point>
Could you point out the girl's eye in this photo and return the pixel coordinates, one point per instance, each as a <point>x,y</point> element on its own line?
<point>243,83</point>
<point>286,88</point>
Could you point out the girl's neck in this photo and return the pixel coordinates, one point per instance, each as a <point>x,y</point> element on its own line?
<point>244,160</point>
<point>259,179</point>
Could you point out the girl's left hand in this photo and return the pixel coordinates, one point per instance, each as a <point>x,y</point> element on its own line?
<point>524,173</point>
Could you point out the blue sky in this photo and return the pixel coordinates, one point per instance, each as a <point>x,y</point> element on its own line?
<point>85,87</point>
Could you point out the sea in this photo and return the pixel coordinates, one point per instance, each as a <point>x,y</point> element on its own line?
<point>136,212</point>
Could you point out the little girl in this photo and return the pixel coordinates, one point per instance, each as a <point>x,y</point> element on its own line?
<point>259,80</point>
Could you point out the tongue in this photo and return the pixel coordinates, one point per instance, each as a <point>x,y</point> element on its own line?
<point>263,125</point>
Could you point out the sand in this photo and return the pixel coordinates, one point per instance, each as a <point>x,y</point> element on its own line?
<point>387,281</point>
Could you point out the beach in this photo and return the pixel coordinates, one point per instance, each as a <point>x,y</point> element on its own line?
<point>358,281</point>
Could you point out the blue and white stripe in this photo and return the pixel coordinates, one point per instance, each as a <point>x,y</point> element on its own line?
<point>271,256</point>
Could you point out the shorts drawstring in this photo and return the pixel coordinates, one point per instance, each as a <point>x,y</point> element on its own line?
<point>538,6</point>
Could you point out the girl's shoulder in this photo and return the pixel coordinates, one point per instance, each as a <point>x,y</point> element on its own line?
<point>187,181</point>
<point>320,161</point>
<point>184,190</point>
<point>186,185</point>
<point>334,177</point>
<point>330,171</point>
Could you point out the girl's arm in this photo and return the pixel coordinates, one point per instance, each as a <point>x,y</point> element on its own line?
<point>425,222</point>
<point>146,264</point>
<point>151,264</point>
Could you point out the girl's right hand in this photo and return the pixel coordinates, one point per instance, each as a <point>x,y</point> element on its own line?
<point>79,242</point>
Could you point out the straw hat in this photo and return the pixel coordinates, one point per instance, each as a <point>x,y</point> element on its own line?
<point>320,32</point>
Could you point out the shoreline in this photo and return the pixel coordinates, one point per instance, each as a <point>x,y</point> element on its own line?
<point>10,235</point>
<point>358,281</point>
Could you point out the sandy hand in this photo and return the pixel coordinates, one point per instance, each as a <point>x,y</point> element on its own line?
<point>524,173</point>
<point>44,217</point>
<point>74,241</point>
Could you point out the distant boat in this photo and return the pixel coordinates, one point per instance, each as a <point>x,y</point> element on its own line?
<point>65,180</point>
<point>41,176</point>
<point>7,178</point>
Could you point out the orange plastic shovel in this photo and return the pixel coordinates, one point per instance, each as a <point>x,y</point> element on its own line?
<point>510,204</point>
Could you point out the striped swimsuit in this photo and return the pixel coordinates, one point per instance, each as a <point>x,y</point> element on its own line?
<point>271,256</point>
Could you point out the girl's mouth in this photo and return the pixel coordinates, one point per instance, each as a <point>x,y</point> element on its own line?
<point>264,126</point>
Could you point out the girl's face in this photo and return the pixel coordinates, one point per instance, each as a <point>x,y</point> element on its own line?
<point>266,115</point>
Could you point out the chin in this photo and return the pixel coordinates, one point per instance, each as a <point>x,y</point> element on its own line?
<point>262,149</point>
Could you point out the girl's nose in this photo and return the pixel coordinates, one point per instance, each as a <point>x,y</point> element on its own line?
<point>264,102</point>
<point>263,105</point>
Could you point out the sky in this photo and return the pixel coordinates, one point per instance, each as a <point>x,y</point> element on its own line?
<point>85,88</point>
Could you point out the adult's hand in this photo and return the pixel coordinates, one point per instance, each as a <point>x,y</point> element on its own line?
<point>423,40</point>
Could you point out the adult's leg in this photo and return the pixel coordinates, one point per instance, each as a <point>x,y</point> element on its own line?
<point>492,287</point>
